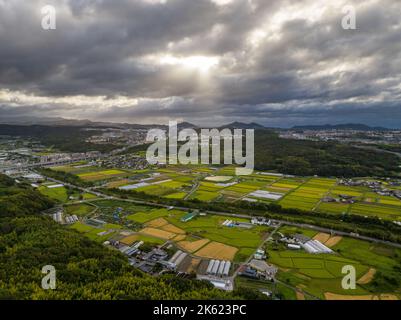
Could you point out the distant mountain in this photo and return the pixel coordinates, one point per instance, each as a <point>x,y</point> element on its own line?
<point>186,125</point>
<point>241,125</point>
<point>52,121</point>
<point>62,122</point>
<point>59,122</point>
<point>348,126</point>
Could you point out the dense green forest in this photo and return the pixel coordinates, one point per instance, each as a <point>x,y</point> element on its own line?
<point>301,157</point>
<point>64,138</point>
<point>84,269</point>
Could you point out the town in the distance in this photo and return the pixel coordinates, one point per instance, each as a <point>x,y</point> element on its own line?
<point>327,198</point>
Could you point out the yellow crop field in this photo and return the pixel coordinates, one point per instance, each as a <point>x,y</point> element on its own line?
<point>322,237</point>
<point>129,240</point>
<point>217,250</point>
<point>180,237</point>
<point>172,228</point>
<point>157,223</point>
<point>158,233</point>
<point>192,246</point>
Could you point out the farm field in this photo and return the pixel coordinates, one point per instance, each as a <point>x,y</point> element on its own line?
<point>98,234</point>
<point>205,237</point>
<point>100,175</point>
<point>59,194</point>
<point>321,274</point>
<point>222,185</point>
<point>81,210</point>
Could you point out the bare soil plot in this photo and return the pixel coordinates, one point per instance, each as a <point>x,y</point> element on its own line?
<point>190,265</point>
<point>217,250</point>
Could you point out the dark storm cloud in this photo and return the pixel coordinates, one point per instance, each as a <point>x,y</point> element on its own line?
<point>278,62</point>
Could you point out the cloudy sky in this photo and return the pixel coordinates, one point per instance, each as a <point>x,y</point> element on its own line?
<point>276,62</point>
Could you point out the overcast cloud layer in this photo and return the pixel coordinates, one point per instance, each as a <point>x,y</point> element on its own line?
<point>276,62</point>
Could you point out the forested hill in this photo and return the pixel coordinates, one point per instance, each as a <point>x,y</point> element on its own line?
<point>84,269</point>
<point>64,138</point>
<point>301,157</point>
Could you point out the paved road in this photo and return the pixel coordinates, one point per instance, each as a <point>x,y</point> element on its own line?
<point>234,215</point>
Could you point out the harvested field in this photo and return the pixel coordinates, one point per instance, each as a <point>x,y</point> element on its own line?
<point>367,277</point>
<point>333,241</point>
<point>158,233</point>
<point>334,296</point>
<point>157,223</point>
<point>129,240</point>
<point>219,178</point>
<point>216,250</point>
<point>172,228</point>
<point>322,237</point>
<point>119,183</point>
<point>180,237</point>
<point>192,246</point>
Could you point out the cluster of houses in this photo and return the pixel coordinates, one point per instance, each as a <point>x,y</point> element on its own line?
<point>144,261</point>
<point>343,198</point>
<point>376,186</point>
<point>127,161</point>
<point>260,221</point>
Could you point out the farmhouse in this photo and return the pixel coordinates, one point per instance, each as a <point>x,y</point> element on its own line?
<point>266,270</point>
<point>260,221</point>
